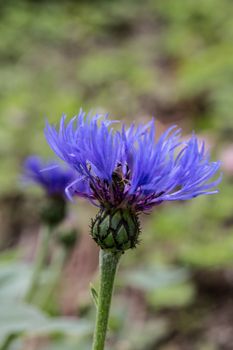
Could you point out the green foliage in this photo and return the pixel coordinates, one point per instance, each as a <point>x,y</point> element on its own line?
<point>115,56</point>
<point>216,254</point>
<point>155,278</point>
<point>199,35</point>
<point>199,232</point>
<point>20,319</point>
<point>175,296</point>
<point>14,279</point>
<point>163,287</point>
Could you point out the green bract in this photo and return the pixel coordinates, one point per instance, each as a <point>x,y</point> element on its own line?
<point>116,229</point>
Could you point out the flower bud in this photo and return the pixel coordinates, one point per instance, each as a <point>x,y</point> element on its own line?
<point>116,229</point>
<point>68,238</point>
<point>54,210</point>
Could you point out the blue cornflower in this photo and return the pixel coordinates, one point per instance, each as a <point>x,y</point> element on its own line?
<point>50,175</point>
<point>53,178</point>
<point>126,172</point>
<point>128,168</point>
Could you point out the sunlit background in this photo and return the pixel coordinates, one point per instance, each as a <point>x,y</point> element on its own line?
<point>172,60</point>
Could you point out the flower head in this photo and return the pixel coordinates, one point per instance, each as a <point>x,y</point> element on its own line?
<point>128,168</point>
<point>127,172</point>
<point>50,175</point>
<point>53,178</point>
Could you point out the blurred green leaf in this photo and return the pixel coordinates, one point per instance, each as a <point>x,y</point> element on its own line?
<point>172,296</point>
<point>135,339</point>
<point>214,254</point>
<point>157,278</point>
<point>14,280</point>
<point>69,344</point>
<point>19,318</point>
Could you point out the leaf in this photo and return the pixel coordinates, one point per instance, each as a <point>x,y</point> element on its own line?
<point>174,296</point>
<point>64,325</point>
<point>153,331</point>
<point>209,255</point>
<point>20,318</point>
<point>16,318</point>
<point>8,256</point>
<point>14,280</point>
<point>151,279</point>
<point>68,344</point>
<point>94,294</point>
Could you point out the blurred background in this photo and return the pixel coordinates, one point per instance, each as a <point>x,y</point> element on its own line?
<point>172,60</point>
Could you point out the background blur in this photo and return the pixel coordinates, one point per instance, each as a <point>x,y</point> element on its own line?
<point>169,59</point>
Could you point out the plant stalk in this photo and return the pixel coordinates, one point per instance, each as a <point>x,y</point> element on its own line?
<point>57,265</point>
<point>41,255</point>
<point>108,262</point>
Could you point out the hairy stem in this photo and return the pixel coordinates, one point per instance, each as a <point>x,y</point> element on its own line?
<point>108,262</point>
<point>41,256</point>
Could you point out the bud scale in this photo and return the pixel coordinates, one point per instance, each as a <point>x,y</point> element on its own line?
<point>116,229</point>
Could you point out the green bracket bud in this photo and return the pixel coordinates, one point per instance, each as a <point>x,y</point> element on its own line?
<point>68,238</point>
<point>53,211</point>
<point>116,229</point>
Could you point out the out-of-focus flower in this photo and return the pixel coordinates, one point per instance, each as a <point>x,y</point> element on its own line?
<point>50,175</point>
<point>53,178</point>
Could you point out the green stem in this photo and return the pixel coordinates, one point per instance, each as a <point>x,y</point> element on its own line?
<point>41,256</point>
<point>5,345</point>
<point>55,270</point>
<point>108,265</point>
